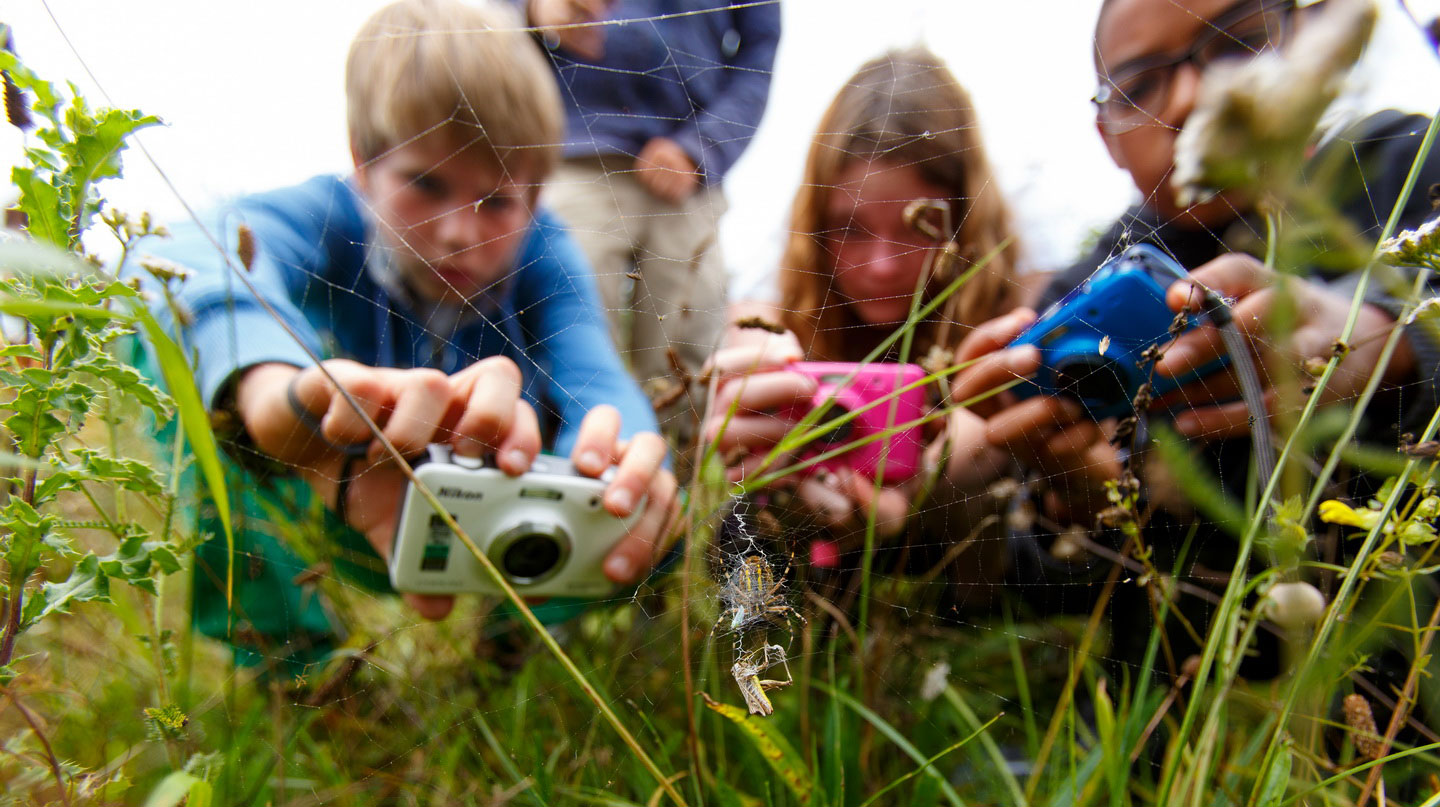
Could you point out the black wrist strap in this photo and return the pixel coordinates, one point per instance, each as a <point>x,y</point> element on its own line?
<point>342,487</point>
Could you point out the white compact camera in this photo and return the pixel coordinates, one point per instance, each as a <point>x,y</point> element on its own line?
<point>546,530</point>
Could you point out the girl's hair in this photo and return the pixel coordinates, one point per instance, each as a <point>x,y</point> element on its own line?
<point>906,109</point>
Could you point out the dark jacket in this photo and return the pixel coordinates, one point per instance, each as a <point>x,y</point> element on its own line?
<point>695,71</point>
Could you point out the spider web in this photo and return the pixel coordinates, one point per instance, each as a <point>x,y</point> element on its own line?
<point>939,638</point>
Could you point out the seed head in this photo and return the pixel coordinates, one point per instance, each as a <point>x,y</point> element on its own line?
<point>245,246</point>
<point>1361,721</point>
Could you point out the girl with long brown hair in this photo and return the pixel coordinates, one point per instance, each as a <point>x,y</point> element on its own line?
<point>895,170</point>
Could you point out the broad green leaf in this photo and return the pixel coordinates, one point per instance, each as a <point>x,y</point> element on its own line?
<point>99,139</point>
<point>40,202</point>
<point>22,257</point>
<point>129,474</point>
<point>176,787</point>
<point>85,583</point>
<point>195,421</point>
<point>54,309</point>
<point>129,381</point>
<point>773,747</point>
<point>201,794</point>
<point>45,98</point>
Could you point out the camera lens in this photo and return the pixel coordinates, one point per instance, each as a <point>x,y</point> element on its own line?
<point>841,433</point>
<point>1097,382</point>
<point>531,552</point>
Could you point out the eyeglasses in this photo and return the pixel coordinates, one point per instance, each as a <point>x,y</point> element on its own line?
<point>1135,93</point>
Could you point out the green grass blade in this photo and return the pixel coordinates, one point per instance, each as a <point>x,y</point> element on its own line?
<point>773,747</point>
<point>195,420</point>
<point>896,737</point>
<point>1012,785</point>
<point>931,761</point>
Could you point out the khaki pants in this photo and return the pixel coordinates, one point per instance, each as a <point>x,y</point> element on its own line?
<point>657,265</point>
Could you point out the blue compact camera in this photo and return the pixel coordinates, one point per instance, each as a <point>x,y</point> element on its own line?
<point>1091,341</point>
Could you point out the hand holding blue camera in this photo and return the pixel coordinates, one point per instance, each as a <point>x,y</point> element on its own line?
<point>1059,436</point>
<point>1209,410</point>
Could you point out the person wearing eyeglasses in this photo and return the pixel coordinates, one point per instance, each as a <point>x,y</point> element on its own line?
<point>1151,57</point>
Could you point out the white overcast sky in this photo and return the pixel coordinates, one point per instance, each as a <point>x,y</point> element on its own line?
<point>253,98</point>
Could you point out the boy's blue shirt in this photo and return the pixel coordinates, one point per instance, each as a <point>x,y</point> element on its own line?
<point>319,265</point>
<point>695,71</point>
<point>314,241</point>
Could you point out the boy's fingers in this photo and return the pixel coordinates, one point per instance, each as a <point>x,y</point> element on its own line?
<point>995,370</point>
<point>1033,419</point>
<point>774,352</point>
<point>1069,448</point>
<point>764,392</point>
<point>635,554</point>
<point>342,425</point>
<point>431,606</point>
<point>422,402</point>
<point>595,446</point>
<point>488,392</point>
<point>516,453</point>
<point>753,465</point>
<point>1219,422</point>
<point>638,467</point>
<point>1234,276</point>
<point>1200,346</point>
<point>821,494</point>
<point>891,506</point>
<point>747,432</point>
<point>991,336</point>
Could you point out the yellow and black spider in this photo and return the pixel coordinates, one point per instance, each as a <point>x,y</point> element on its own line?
<point>753,598</point>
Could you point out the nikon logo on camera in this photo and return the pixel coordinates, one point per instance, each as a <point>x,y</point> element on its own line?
<point>459,493</point>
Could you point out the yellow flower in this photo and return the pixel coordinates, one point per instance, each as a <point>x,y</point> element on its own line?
<point>1336,512</point>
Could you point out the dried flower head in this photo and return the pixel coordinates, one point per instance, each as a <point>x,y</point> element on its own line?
<point>1254,118</point>
<point>1417,247</point>
<point>164,270</point>
<point>245,246</point>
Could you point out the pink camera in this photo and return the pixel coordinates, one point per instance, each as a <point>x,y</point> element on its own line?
<point>885,398</point>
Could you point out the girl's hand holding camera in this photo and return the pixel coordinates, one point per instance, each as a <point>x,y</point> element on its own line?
<point>757,403</point>
<point>298,417</point>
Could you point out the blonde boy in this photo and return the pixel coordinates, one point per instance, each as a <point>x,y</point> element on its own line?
<point>437,295</point>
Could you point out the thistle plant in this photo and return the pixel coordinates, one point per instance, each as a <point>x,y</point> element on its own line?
<point>84,510</point>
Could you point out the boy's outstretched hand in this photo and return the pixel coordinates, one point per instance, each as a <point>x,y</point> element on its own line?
<point>476,411</point>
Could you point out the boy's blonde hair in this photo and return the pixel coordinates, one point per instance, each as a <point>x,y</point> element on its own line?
<point>421,65</point>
